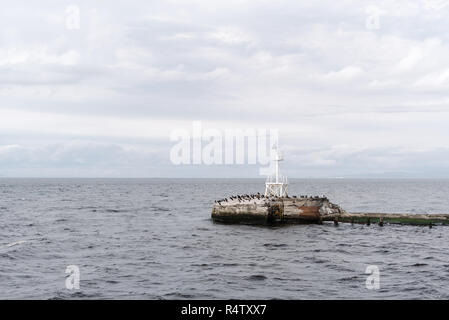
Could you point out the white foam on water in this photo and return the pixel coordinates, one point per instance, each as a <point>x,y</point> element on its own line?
<point>12,244</point>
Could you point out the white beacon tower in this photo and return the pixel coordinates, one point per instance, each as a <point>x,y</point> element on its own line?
<point>276,184</point>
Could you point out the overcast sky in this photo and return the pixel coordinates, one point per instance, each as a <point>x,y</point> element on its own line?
<point>356,88</point>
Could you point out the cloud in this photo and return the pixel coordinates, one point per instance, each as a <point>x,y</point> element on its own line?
<point>415,55</point>
<point>134,72</point>
<point>231,35</point>
<point>434,80</point>
<point>80,158</point>
<point>346,74</point>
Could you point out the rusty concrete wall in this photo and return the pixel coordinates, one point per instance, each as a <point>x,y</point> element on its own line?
<point>266,211</point>
<point>254,211</point>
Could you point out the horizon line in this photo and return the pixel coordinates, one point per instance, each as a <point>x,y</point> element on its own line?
<point>236,178</point>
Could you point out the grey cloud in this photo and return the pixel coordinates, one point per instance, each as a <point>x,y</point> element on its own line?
<point>308,64</point>
<point>108,159</point>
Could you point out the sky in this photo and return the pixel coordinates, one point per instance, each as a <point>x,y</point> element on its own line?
<point>96,88</point>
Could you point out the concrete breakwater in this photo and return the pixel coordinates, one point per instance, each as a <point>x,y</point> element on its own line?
<point>257,209</point>
<point>389,218</point>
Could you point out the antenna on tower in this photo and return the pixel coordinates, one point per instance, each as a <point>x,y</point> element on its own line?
<point>276,184</point>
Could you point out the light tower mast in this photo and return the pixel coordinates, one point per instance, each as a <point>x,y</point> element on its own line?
<point>277,184</point>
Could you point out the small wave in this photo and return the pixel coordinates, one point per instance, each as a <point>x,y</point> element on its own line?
<point>163,195</point>
<point>86,207</point>
<point>202,229</point>
<point>180,295</point>
<point>317,260</point>
<point>257,277</point>
<point>214,265</point>
<point>114,210</point>
<point>286,279</point>
<point>74,295</point>
<point>112,281</point>
<point>7,256</point>
<point>200,265</point>
<point>230,264</point>
<point>275,245</point>
<point>159,208</point>
<point>344,279</point>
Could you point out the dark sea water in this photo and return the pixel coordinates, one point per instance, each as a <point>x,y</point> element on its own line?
<point>154,239</point>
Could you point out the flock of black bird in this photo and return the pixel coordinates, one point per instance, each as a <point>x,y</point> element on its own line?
<point>249,197</point>
<point>241,198</point>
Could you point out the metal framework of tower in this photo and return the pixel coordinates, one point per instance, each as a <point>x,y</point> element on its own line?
<point>276,184</point>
